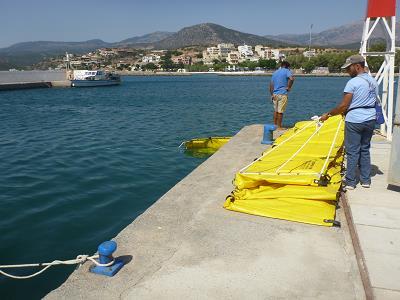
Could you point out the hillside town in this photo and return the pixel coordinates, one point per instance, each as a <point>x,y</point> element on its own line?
<point>220,57</point>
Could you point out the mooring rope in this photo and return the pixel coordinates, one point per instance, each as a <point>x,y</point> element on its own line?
<point>80,259</point>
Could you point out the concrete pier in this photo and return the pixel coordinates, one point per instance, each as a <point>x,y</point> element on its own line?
<point>375,213</point>
<point>24,85</point>
<point>186,246</point>
<point>17,80</point>
<point>61,83</point>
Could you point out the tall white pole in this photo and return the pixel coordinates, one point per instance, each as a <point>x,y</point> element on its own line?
<point>385,75</point>
<point>390,106</point>
<point>309,44</point>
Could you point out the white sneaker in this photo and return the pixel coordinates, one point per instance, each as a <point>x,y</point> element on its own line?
<point>366,185</point>
<point>349,188</point>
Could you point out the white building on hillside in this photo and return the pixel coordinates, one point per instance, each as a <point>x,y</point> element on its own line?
<point>233,57</point>
<point>225,49</point>
<point>309,53</point>
<point>107,52</point>
<point>151,59</point>
<point>213,50</point>
<point>245,50</point>
<point>267,52</point>
<point>210,54</point>
<point>320,71</point>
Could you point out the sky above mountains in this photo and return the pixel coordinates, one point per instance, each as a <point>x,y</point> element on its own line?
<point>111,21</point>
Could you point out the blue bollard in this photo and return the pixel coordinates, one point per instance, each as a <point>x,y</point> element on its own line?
<point>268,134</point>
<point>105,250</point>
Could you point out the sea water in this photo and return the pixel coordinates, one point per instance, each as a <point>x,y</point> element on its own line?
<point>78,165</point>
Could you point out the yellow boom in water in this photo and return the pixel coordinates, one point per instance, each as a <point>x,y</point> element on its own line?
<point>202,147</point>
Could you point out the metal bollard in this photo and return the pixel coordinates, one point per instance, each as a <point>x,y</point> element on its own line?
<point>105,250</point>
<point>268,134</point>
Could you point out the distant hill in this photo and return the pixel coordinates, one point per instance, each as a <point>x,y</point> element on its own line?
<point>47,47</point>
<point>346,36</point>
<point>212,34</point>
<point>28,53</point>
<point>147,38</point>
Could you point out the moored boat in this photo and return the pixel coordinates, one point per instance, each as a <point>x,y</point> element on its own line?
<point>88,78</point>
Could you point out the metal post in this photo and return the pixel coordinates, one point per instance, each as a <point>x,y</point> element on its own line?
<point>385,75</point>
<point>384,96</point>
<point>394,165</point>
<point>106,250</point>
<point>390,108</point>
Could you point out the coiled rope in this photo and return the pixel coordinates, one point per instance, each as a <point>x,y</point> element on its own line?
<point>80,259</point>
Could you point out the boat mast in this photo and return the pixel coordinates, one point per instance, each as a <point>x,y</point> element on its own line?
<point>68,72</point>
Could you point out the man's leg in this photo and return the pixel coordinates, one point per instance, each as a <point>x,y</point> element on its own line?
<point>281,109</point>
<point>352,142</point>
<point>275,103</point>
<point>365,157</point>
<point>279,120</point>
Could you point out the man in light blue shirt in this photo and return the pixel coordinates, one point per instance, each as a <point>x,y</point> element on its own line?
<point>358,104</point>
<point>281,83</point>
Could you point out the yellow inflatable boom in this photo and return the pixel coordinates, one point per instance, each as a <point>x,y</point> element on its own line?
<point>204,146</point>
<point>298,179</point>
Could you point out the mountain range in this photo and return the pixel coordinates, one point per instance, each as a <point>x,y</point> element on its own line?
<point>345,36</point>
<point>28,53</point>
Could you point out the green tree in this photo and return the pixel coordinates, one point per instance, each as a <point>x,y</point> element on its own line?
<point>308,66</point>
<point>375,62</point>
<point>251,65</point>
<point>220,66</point>
<point>150,66</point>
<point>176,53</point>
<point>199,67</point>
<point>269,64</point>
<point>166,62</point>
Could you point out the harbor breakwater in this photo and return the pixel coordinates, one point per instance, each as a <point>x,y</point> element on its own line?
<point>15,80</point>
<point>8,77</point>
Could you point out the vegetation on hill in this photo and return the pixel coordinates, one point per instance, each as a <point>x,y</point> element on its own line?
<point>334,61</point>
<point>209,34</point>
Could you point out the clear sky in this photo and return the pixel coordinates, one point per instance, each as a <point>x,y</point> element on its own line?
<point>115,20</point>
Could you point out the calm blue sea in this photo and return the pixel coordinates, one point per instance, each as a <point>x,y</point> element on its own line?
<point>78,165</point>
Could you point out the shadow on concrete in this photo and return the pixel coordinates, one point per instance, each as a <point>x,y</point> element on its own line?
<point>375,171</point>
<point>125,258</point>
<point>393,188</point>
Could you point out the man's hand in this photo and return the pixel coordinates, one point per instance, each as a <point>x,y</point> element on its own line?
<point>324,117</point>
<point>288,89</point>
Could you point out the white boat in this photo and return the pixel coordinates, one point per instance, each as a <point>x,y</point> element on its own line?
<point>87,78</point>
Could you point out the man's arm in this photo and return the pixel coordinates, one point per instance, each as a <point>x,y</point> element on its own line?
<point>290,83</point>
<point>271,88</point>
<point>340,109</point>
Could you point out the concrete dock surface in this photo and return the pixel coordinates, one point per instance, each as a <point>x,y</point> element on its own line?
<point>376,218</point>
<point>186,246</point>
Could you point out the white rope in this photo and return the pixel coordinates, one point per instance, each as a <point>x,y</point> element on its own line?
<point>298,151</point>
<point>274,148</point>
<point>331,148</point>
<point>80,259</point>
<point>290,173</point>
